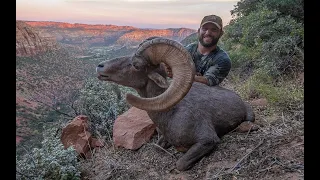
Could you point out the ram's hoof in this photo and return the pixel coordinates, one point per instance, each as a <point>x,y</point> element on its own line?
<point>182,166</point>
<point>164,144</point>
<point>247,126</point>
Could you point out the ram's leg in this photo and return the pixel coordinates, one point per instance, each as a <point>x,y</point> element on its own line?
<point>195,153</point>
<point>162,142</point>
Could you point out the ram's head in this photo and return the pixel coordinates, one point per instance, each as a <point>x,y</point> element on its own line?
<point>136,71</point>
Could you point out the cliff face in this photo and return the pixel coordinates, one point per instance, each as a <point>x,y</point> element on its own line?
<point>30,42</point>
<point>137,36</point>
<point>104,35</point>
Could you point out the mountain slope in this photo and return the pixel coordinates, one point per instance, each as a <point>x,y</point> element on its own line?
<point>30,42</point>
<point>46,74</point>
<point>104,35</point>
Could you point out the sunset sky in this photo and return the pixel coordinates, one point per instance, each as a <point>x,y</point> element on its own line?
<point>137,13</point>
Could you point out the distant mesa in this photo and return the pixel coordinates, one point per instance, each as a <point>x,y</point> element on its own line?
<point>102,35</point>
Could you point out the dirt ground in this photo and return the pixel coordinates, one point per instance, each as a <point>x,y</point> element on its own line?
<point>273,152</point>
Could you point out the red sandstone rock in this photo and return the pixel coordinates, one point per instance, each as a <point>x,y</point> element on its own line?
<point>76,134</point>
<point>132,129</point>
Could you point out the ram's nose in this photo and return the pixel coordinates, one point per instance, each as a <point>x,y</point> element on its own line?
<point>99,66</point>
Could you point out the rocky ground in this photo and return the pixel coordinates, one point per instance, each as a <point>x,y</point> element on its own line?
<point>274,151</point>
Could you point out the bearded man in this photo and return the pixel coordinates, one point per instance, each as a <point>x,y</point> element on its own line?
<point>212,63</point>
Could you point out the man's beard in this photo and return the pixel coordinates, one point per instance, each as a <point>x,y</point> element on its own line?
<point>212,43</point>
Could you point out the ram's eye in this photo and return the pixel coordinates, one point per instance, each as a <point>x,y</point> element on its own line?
<point>136,65</point>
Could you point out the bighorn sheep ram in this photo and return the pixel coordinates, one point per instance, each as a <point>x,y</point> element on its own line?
<point>191,116</point>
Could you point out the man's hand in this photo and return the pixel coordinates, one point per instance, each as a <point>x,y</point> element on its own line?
<point>168,70</point>
<point>198,74</point>
<point>199,78</point>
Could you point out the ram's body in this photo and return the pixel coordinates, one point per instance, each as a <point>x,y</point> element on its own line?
<point>195,123</point>
<point>201,112</point>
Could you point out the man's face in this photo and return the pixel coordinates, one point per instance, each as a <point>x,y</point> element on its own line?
<point>209,35</point>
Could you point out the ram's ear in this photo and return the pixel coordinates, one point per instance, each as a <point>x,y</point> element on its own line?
<point>158,79</point>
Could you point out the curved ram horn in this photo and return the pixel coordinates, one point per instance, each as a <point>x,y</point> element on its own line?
<point>172,53</point>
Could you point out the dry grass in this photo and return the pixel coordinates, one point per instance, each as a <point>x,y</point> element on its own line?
<point>276,151</point>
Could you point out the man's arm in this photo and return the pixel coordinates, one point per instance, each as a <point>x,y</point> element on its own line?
<point>197,78</point>
<point>217,73</point>
<point>213,76</point>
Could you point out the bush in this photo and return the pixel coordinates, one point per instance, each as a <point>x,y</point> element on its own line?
<point>294,8</point>
<point>282,57</point>
<point>284,94</point>
<point>51,161</point>
<point>102,102</point>
<point>266,39</point>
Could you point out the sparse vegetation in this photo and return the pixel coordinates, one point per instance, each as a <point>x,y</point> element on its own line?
<point>51,161</point>
<point>102,102</point>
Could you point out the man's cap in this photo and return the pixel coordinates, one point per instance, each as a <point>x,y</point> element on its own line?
<point>212,19</point>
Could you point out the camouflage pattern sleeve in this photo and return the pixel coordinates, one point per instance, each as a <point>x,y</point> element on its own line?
<point>217,73</point>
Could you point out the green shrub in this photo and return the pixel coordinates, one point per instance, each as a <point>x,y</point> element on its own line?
<point>294,8</point>
<point>102,102</point>
<point>266,39</point>
<point>283,94</point>
<point>51,161</point>
<point>282,57</point>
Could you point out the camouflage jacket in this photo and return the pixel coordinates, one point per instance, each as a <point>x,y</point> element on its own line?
<point>215,66</point>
